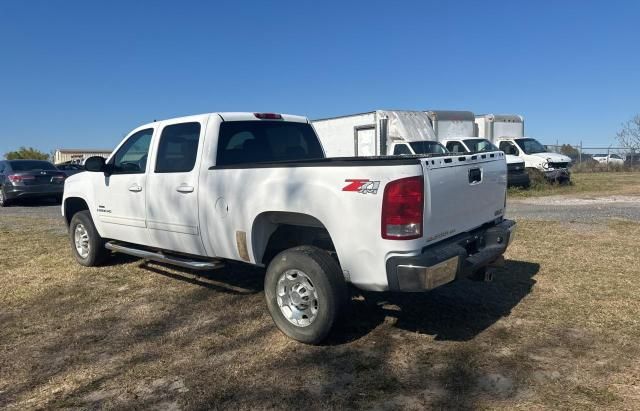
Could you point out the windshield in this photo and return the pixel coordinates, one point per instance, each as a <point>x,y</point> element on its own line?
<point>428,147</point>
<point>478,145</point>
<point>530,145</point>
<point>30,165</point>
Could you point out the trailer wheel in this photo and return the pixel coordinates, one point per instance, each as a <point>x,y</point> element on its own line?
<point>305,292</point>
<point>86,244</point>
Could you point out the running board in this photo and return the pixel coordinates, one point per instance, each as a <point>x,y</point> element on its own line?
<point>158,256</point>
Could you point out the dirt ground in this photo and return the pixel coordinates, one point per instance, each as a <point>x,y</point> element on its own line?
<point>557,328</point>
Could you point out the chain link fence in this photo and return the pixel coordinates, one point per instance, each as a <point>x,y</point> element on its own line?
<point>618,157</point>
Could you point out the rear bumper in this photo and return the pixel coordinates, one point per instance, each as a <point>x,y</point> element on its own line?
<point>519,179</point>
<point>15,192</point>
<point>457,257</point>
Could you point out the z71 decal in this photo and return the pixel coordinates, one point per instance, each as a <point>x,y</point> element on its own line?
<point>362,186</point>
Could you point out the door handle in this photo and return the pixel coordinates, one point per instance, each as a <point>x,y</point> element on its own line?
<point>185,189</point>
<point>135,188</point>
<point>475,176</point>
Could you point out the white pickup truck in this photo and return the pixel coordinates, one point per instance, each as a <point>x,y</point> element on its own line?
<point>255,187</point>
<point>507,132</point>
<point>457,130</point>
<point>516,174</point>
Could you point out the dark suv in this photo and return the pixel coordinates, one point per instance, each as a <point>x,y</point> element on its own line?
<point>29,179</point>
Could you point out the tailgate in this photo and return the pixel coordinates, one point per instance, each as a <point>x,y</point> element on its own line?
<point>462,193</point>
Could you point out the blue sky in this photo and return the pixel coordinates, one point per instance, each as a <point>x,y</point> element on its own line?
<point>82,73</point>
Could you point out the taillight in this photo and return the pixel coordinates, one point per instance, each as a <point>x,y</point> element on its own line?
<point>58,179</point>
<point>19,179</point>
<point>402,209</point>
<point>268,116</point>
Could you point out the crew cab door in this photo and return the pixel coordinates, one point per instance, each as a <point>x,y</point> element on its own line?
<point>172,181</point>
<point>120,196</point>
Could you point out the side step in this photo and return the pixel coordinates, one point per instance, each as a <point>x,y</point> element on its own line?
<point>160,257</point>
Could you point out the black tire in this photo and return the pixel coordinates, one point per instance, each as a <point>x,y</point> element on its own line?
<point>327,279</point>
<point>4,202</point>
<point>97,254</point>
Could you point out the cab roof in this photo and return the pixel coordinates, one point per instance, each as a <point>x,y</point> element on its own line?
<point>241,116</point>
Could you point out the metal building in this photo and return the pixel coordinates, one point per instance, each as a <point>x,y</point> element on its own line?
<point>77,155</point>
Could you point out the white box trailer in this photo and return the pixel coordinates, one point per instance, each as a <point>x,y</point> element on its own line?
<point>377,133</point>
<point>507,132</point>
<point>451,124</point>
<point>492,126</point>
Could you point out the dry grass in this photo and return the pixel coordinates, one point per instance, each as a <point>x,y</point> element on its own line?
<point>586,184</point>
<point>558,328</point>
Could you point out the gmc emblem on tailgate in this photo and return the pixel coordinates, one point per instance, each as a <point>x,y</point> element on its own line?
<point>362,186</point>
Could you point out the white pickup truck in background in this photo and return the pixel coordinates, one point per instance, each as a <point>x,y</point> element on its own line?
<point>517,176</point>
<point>507,132</point>
<point>255,187</point>
<point>608,159</point>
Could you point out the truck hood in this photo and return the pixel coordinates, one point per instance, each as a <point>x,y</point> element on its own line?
<point>553,157</point>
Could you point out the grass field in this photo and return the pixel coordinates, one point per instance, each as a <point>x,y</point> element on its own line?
<point>586,184</point>
<point>558,328</point>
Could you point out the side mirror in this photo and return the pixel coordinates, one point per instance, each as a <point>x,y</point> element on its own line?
<point>95,164</point>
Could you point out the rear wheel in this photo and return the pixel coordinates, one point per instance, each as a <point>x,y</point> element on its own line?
<point>305,293</point>
<point>86,243</point>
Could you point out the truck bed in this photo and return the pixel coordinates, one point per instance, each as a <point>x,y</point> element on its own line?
<point>318,188</point>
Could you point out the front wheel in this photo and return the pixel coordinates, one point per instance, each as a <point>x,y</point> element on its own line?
<point>86,243</point>
<point>305,292</point>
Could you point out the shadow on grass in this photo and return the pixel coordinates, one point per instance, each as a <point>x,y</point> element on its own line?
<point>233,278</point>
<point>455,312</point>
<point>35,202</point>
<point>142,340</point>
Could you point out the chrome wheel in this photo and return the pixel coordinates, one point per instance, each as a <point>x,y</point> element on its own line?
<point>297,298</point>
<point>81,239</point>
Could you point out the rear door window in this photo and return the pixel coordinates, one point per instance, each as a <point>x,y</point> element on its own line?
<point>243,142</point>
<point>178,148</point>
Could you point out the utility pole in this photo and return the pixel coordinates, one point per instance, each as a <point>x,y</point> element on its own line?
<point>580,153</point>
